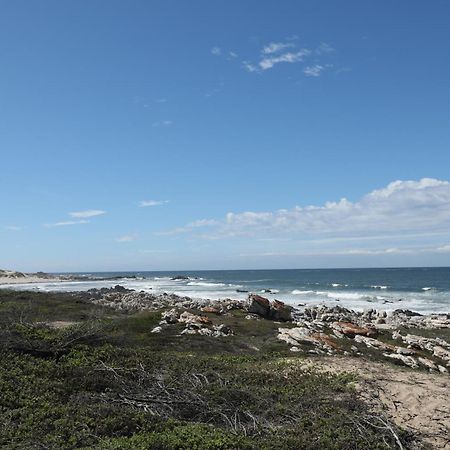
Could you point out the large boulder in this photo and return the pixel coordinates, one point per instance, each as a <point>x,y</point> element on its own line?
<point>280,311</point>
<point>275,310</point>
<point>259,305</point>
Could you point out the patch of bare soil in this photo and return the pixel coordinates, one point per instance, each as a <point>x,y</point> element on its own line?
<point>416,401</point>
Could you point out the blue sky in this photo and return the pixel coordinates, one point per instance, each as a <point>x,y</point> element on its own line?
<point>150,135</point>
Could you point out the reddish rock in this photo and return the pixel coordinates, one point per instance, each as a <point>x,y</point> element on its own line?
<point>326,340</point>
<point>210,310</point>
<point>280,311</point>
<point>259,305</point>
<point>190,318</point>
<point>351,330</point>
<point>203,319</point>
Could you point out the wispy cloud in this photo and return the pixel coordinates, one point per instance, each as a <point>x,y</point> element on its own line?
<point>345,252</point>
<point>13,228</point>
<point>87,213</point>
<point>287,51</point>
<point>66,223</point>
<point>127,238</point>
<point>324,48</point>
<point>313,71</point>
<point>275,47</point>
<point>162,123</point>
<point>289,57</point>
<point>202,223</point>
<point>249,67</point>
<point>80,215</point>
<point>145,203</point>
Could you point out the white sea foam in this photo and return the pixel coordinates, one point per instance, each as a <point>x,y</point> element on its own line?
<point>428,299</point>
<point>202,283</point>
<point>348,295</point>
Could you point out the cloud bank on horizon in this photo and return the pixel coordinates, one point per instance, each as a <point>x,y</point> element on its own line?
<point>409,217</point>
<point>402,209</point>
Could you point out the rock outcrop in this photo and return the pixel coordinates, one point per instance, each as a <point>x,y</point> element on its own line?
<point>274,310</point>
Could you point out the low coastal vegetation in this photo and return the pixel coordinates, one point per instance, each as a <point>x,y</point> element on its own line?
<point>78,374</point>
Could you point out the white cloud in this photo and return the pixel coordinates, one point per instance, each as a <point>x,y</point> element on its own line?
<point>66,223</point>
<point>290,52</point>
<point>87,213</point>
<point>249,67</point>
<point>324,48</point>
<point>217,51</point>
<point>444,249</point>
<point>127,238</point>
<point>203,223</point>
<point>289,57</point>
<point>13,228</point>
<point>313,71</point>
<point>232,54</point>
<point>145,203</point>
<point>162,123</point>
<point>344,252</point>
<point>275,47</point>
<point>402,207</point>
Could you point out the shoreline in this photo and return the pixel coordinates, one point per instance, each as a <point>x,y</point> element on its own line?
<point>359,293</point>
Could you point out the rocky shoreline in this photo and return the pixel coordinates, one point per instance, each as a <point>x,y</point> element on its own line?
<point>323,330</point>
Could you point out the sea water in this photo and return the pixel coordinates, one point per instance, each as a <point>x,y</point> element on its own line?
<point>419,289</point>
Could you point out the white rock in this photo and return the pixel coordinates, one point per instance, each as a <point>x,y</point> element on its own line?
<point>427,363</point>
<point>408,360</point>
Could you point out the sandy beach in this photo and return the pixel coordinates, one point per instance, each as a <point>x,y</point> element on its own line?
<point>12,277</point>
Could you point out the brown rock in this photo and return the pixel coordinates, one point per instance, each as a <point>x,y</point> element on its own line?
<point>351,330</point>
<point>210,310</point>
<point>280,311</point>
<point>203,319</point>
<point>190,318</point>
<point>258,305</point>
<point>326,340</point>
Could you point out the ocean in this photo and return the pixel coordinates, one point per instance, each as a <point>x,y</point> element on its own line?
<point>423,290</point>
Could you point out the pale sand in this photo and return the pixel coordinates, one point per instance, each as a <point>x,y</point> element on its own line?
<point>27,279</point>
<point>418,401</point>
